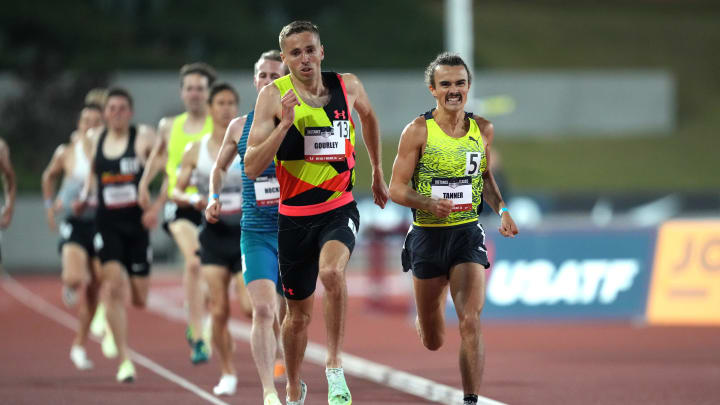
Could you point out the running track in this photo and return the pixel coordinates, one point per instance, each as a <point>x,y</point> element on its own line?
<point>527,363</point>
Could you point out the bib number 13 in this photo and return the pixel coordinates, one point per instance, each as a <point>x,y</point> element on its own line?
<point>342,128</point>
<point>472,163</point>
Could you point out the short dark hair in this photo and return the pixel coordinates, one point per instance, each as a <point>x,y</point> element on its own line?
<point>90,106</point>
<point>222,86</point>
<point>444,59</point>
<point>200,68</point>
<point>273,55</point>
<point>120,92</point>
<point>297,27</point>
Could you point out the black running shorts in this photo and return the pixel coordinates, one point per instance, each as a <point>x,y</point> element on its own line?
<point>220,245</point>
<point>300,240</point>
<point>127,243</point>
<point>173,213</point>
<point>81,232</point>
<point>431,252</point>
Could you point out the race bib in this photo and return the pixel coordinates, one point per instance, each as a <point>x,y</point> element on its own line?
<point>120,196</point>
<point>472,163</point>
<point>326,144</point>
<point>267,191</point>
<point>231,203</point>
<point>457,189</point>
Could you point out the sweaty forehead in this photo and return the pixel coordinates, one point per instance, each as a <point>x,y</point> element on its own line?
<point>451,73</point>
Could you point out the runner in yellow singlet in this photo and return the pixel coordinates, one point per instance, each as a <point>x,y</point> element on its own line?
<point>175,133</point>
<point>440,172</point>
<point>304,122</point>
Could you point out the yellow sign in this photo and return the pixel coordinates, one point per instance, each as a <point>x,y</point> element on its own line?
<point>685,286</point>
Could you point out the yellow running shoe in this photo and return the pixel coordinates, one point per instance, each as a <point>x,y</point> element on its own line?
<point>272,399</point>
<point>126,372</point>
<point>109,348</point>
<point>97,326</point>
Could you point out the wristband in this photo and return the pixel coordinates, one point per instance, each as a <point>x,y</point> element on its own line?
<point>216,196</point>
<point>502,210</point>
<point>48,204</point>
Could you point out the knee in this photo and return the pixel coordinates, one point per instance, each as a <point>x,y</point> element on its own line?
<point>332,278</point>
<point>219,309</point>
<point>263,313</point>
<point>193,265</point>
<point>296,321</point>
<point>139,302</point>
<point>72,279</point>
<point>469,325</point>
<point>115,290</point>
<point>431,338</point>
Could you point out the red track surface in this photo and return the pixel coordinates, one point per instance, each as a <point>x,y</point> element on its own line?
<point>526,363</point>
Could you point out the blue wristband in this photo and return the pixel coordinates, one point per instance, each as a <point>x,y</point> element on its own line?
<point>502,210</point>
<point>216,196</point>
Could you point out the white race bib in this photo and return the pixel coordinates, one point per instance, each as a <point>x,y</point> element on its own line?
<point>472,163</point>
<point>325,144</point>
<point>457,189</point>
<point>267,191</point>
<point>231,203</point>
<point>119,196</point>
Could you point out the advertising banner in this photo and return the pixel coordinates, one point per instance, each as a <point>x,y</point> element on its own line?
<point>685,287</point>
<point>594,274</point>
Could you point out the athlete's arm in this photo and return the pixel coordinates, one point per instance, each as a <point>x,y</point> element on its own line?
<point>155,163</point>
<point>222,162</point>
<point>80,204</point>
<point>265,137</point>
<point>50,175</point>
<point>370,132</point>
<point>147,140</point>
<point>187,165</point>
<point>410,148</point>
<point>9,185</point>
<point>491,192</point>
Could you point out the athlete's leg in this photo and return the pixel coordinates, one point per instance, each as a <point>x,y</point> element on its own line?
<point>281,306</point>
<point>75,276</point>
<point>114,280</point>
<point>218,281</point>
<point>467,287</point>
<point>139,287</point>
<point>243,297</point>
<point>334,256</point>
<point>294,338</point>
<point>185,234</point>
<point>430,302</point>
<point>263,341</point>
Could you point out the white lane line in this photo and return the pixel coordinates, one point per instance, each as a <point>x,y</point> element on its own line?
<point>36,303</point>
<point>353,365</point>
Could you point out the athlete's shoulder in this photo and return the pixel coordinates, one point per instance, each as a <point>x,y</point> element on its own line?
<point>416,129</point>
<point>238,123</point>
<point>165,125</point>
<point>483,124</point>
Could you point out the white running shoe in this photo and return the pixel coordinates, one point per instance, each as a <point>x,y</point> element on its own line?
<point>303,394</point>
<point>79,358</point>
<point>226,386</point>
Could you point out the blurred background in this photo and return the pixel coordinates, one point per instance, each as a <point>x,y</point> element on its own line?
<point>605,114</point>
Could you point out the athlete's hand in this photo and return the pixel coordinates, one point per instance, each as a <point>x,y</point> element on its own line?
<point>507,228</point>
<point>50,215</point>
<point>289,101</point>
<point>143,198</point>
<point>78,206</point>
<point>6,216</point>
<point>380,190</point>
<point>150,218</point>
<point>212,212</point>
<point>441,207</point>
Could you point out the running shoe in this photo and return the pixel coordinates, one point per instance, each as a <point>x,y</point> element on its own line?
<point>338,391</point>
<point>272,399</point>
<point>303,394</point>
<point>97,326</point>
<point>69,296</point>
<point>226,386</point>
<point>126,372</point>
<point>279,370</point>
<point>109,348</point>
<point>199,353</point>
<point>79,358</point>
